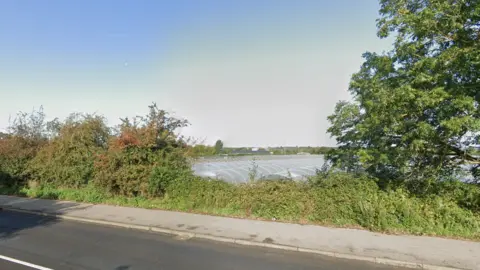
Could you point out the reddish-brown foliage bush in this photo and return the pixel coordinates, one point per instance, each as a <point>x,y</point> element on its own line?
<point>141,145</point>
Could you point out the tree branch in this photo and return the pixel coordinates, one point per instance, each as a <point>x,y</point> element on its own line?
<point>465,156</point>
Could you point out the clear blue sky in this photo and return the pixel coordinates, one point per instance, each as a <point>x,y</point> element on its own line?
<point>251,72</point>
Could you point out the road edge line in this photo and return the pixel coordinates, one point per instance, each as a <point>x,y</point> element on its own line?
<point>24,263</point>
<point>243,242</point>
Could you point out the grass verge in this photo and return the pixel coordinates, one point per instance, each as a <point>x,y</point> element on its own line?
<point>339,200</point>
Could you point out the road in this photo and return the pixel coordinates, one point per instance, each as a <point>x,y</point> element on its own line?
<point>46,243</point>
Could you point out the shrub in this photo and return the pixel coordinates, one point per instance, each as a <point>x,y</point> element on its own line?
<point>162,177</point>
<point>15,153</point>
<point>466,195</point>
<point>68,159</point>
<point>142,145</point>
<point>27,134</point>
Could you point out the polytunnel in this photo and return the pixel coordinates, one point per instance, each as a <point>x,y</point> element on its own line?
<point>241,169</point>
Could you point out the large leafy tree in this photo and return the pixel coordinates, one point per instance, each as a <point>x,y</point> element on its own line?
<point>415,109</point>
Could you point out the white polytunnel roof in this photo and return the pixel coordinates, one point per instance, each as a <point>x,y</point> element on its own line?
<point>239,169</point>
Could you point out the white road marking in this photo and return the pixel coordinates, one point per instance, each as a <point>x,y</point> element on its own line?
<point>31,265</point>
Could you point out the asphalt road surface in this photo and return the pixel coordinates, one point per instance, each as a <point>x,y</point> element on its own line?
<point>34,242</point>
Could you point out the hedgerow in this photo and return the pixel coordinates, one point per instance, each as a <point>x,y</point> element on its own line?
<point>144,163</point>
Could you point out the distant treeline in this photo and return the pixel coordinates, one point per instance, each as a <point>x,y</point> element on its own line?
<point>207,150</point>
<point>321,150</point>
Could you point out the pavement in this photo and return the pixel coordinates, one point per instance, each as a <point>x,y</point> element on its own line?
<point>359,245</point>
<point>47,243</point>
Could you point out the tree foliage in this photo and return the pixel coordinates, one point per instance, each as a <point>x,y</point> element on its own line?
<point>415,109</point>
<point>218,146</point>
<point>200,150</point>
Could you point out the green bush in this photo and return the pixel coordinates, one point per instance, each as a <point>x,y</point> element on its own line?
<point>138,171</point>
<point>67,160</point>
<point>28,133</point>
<point>466,195</point>
<point>15,155</point>
<point>162,177</point>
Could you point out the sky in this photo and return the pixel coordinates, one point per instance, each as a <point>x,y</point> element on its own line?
<point>248,72</point>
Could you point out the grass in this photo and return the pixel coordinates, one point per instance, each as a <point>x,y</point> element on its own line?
<point>340,201</point>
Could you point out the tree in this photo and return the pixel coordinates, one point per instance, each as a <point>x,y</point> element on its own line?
<point>415,109</point>
<point>200,150</point>
<point>218,147</point>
